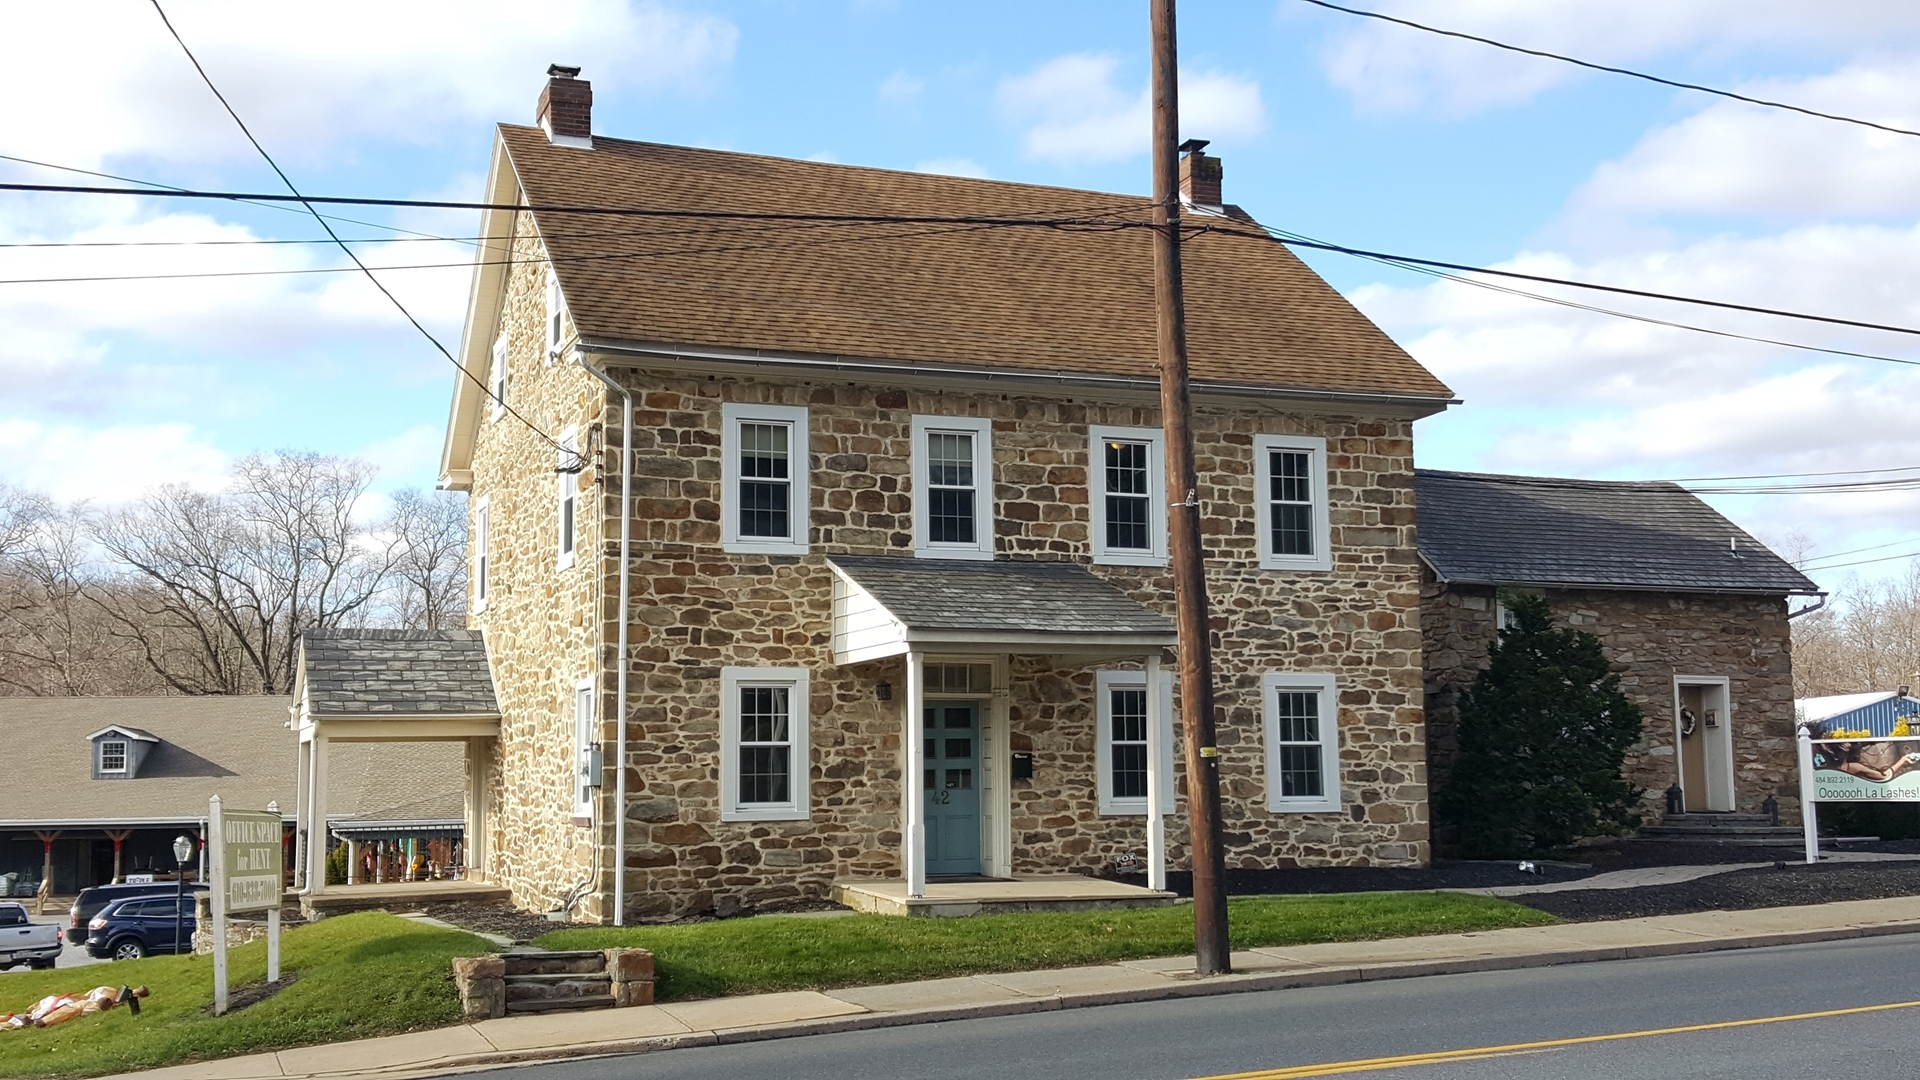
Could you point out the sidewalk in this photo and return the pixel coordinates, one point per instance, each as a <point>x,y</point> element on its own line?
<point>773,1016</point>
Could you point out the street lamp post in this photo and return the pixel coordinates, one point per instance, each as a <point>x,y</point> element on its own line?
<point>182,851</point>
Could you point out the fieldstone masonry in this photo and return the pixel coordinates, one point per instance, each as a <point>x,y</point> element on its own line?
<point>696,609</point>
<point>1651,637</point>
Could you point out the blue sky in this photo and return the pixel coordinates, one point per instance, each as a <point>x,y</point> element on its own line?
<point>1332,126</point>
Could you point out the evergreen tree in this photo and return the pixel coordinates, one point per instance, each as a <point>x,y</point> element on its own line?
<point>1543,734</point>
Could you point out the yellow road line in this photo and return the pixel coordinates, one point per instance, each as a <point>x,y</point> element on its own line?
<point>1438,1057</point>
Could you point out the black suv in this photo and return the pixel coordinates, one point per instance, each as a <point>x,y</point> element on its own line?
<point>92,901</point>
<point>130,928</point>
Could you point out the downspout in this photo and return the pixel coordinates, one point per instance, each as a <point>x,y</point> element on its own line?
<point>1810,609</point>
<point>621,661</point>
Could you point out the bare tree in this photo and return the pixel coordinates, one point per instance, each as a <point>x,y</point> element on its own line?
<point>428,584</point>
<point>1868,638</point>
<point>215,589</point>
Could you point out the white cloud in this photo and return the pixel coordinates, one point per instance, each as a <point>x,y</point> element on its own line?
<point>306,80</point>
<point>1393,68</point>
<point>1074,111</point>
<point>953,166</point>
<point>411,458</point>
<point>107,465</point>
<point>901,86</point>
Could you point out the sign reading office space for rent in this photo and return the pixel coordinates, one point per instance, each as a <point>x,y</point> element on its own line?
<point>246,858</point>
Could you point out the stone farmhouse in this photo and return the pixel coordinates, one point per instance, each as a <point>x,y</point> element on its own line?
<point>1692,611</point>
<point>897,598</point>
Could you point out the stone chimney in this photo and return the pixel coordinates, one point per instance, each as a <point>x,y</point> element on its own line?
<point>566,108</point>
<point>1199,175</point>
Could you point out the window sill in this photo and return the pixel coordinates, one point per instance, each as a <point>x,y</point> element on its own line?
<point>955,552</point>
<point>754,547</point>
<point>766,813</point>
<point>1304,806</point>
<point>1102,558</point>
<point>565,562</point>
<point>1298,566</point>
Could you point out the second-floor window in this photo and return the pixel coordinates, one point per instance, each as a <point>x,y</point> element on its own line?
<point>482,558</point>
<point>113,756</point>
<point>1290,501</point>
<point>568,478</point>
<point>1129,505</point>
<point>764,473</point>
<point>497,378</point>
<point>554,308</point>
<point>953,487</point>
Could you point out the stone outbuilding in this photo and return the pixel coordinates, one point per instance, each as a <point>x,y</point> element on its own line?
<point>1692,611</point>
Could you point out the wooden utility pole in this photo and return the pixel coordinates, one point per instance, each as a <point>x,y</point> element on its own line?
<point>1211,951</point>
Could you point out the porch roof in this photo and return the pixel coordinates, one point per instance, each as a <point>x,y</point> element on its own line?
<point>395,674</point>
<point>886,605</point>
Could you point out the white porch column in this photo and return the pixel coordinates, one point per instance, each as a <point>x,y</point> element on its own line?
<point>1156,779</point>
<point>913,793</point>
<point>300,789</point>
<point>317,818</point>
<point>353,862</point>
<point>479,767</point>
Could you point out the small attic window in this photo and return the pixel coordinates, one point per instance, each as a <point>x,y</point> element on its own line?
<point>113,755</point>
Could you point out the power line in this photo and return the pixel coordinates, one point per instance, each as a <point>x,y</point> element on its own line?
<point>1629,72</point>
<point>1812,559</point>
<point>499,400</point>
<point>1859,562</point>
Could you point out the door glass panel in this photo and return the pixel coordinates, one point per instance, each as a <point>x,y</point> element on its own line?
<point>959,748</point>
<point>960,718</point>
<point>961,779</point>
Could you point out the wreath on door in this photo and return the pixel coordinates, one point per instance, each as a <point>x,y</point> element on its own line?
<point>1687,722</point>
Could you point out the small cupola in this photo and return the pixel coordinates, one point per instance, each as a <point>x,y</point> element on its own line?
<point>566,108</point>
<point>119,751</point>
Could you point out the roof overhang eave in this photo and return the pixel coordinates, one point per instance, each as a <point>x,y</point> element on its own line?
<point>752,359</point>
<point>180,820</point>
<point>484,298</point>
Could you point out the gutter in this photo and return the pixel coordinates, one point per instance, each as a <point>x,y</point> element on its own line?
<point>1822,602</point>
<point>620,676</point>
<point>896,368</point>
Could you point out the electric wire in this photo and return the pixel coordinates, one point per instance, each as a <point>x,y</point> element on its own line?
<point>1610,69</point>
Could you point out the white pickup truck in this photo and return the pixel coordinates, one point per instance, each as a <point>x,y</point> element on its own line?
<point>23,941</point>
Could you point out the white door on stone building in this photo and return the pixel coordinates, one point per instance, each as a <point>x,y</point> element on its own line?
<point>1703,741</point>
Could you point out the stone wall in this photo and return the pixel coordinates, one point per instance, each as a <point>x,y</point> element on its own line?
<point>1651,637</point>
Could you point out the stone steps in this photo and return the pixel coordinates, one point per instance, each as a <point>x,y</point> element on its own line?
<point>1753,830</point>
<point>535,981</point>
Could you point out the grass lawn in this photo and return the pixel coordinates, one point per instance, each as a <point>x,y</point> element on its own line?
<point>751,956</point>
<point>359,975</point>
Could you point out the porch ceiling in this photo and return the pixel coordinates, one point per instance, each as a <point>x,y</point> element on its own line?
<point>885,606</point>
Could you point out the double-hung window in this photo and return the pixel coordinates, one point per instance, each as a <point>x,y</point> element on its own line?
<point>1129,480</point>
<point>1290,501</point>
<point>764,476</point>
<point>482,555</point>
<point>1121,749</point>
<point>763,744</point>
<point>113,755</point>
<point>586,758</point>
<point>953,487</point>
<point>497,379</point>
<point>554,307</point>
<point>567,477</point>
<point>1303,744</point>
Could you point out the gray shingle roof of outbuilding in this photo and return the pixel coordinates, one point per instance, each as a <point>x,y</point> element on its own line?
<point>397,673</point>
<point>932,594</point>
<point>1535,530</point>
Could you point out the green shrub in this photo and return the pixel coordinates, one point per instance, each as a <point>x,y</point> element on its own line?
<point>337,865</point>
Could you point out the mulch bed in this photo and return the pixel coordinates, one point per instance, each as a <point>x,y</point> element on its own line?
<point>501,919</point>
<point>1784,884</point>
<point>256,992</point>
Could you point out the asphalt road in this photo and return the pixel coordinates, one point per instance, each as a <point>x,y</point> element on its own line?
<point>1291,1029</point>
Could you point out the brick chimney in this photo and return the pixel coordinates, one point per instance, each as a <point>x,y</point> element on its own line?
<point>566,108</point>
<point>1199,175</point>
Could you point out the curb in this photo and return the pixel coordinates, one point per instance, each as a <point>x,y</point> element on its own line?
<point>1176,988</point>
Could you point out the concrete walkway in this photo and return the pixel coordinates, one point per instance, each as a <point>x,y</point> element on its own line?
<point>1673,875</point>
<point>774,1016</point>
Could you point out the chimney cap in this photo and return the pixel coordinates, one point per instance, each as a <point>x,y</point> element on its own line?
<point>1194,146</point>
<point>562,71</point>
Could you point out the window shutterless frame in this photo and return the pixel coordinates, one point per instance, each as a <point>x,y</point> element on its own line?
<point>113,756</point>
<point>764,760</point>
<point>1301,718</point>
<point>953,487</point>
<point>482,555</point>
<point>586,763</point>
<point>763,472</point>
<point>497,379</point>
<point>1127,475</point>
<point>1290,502</point>
<point>1121,747</point>
<point>567,498</point>
<point>555,306</point>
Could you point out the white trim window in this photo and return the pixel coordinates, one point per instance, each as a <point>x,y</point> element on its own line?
<point>586,760</point>
<point>1128,470</point>
<point>556,306</point>
<point>482,554</point>
<point>113,755</point>
<point>497,379</point>
<point>763,744</point>
<point>1303,743</point>
<point>1121,747</point>
<point>764,476</point>
<point>1290,501</point>
<point>567,480</point>
<point>953,487</point>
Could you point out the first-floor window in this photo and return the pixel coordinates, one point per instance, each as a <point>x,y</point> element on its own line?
<point>763,744</point>
<point>1303,746</point>
<point>586,764</point>
<point>1124,730</point>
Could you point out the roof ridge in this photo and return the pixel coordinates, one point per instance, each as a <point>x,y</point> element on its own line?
<point>1547,481</point>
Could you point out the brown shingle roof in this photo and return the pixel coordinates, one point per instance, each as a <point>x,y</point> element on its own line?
<point>1016,299</point>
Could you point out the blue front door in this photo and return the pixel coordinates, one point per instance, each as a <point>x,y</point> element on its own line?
<point>953,787</point>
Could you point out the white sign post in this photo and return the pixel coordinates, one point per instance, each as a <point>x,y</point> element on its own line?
<point>246,860</point>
